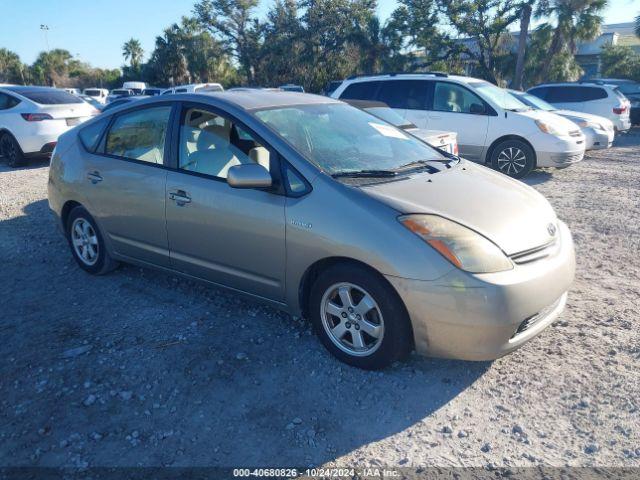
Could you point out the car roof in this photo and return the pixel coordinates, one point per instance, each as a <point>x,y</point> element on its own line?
<point>261,99</point>
<point>574,84</point>
<point>29,88</point>
<point>416,76</point>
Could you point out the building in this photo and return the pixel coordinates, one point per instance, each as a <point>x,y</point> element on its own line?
<point>588,55</point>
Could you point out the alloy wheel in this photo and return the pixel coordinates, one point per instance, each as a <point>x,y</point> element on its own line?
<point>512,161</point>
<point>84,241</point>
<point>8,150</point>
<point>352,319</point>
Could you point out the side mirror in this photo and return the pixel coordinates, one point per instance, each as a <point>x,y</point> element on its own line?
<point>477,109</point>
<point>249,175</point>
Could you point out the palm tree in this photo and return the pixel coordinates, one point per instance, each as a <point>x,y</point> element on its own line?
<point>577,20</point>
<point>637,28</point>
<point>132,51</point>
<point>526,10</point>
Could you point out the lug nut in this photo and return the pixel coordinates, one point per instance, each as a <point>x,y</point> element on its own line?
<point>357,327</point>
<point>358,317</point>
<point>350,310</point>
<point>348,324</point>
<point>344,314</point>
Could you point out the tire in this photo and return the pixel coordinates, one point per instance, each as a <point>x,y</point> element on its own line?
<point>347,334</point>
<point>87,244</point>
<point>11,151</point>
<point>514,158</point>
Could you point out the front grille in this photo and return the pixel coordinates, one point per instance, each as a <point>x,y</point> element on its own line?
<point>537,253</point>
<point>529,322</point>
<point>567,158</point>
<point>575,133</point>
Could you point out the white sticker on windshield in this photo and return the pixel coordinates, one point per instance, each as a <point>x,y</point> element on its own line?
<point>389,131</point>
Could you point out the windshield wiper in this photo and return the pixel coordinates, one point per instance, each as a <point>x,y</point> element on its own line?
<point>365,173</point>
<point>419,164</point>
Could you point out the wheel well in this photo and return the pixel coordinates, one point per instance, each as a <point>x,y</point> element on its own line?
<point>487,158</point>
<point>66,210</point>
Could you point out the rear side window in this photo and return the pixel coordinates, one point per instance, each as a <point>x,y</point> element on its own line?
<point>7,101</point>
<point>140,135</point>
<point>90,135</point>
<point>570,94</point>
<point>541,92</point>
<point>50,97</point>
<point>360,91</point>
<point>410,94</point>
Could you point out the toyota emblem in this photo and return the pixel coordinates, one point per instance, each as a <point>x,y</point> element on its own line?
<point>551,228</point>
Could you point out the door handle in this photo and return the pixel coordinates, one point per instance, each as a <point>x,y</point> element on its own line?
<point>94,177</point>
<point>435,117</point>
<point>180,197</point>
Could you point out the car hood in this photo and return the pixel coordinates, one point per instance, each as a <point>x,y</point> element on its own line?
<point>550,117</point>
<point>579,116</point>
<point>511,214</point>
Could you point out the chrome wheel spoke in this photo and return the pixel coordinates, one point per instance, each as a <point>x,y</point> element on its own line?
<point>365,305</point>
<point>370,329</point>
<point>333,309</point>
<point>345,297</point>
<point>358,341</point>
<point>339,330</point>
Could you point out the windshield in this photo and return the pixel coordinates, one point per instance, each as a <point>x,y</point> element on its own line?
<point>93,93</point>
<point>339,138</point>
<point>389,115</point>
<point>499,96</point>
<point>120,92</point>
<point>533,101</point>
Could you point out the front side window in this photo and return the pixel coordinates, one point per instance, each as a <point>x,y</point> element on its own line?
<point>499,96</point>
<point>339,138</point>
<point>140,135</point>
<point>360,91</point>
<point>90,135</point>
<point>7,101</point>
<point>211,144</point>
<point>450,97</point>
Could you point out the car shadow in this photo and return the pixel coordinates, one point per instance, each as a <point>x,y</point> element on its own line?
<point>537,177</point>
<point>202,376</point>
<point>30,163</point>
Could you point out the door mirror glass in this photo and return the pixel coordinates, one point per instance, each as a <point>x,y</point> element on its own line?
<point>477,109</point>
<point>249,175</point>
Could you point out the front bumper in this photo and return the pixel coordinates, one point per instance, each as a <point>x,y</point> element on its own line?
<point>598,139</point>
<point>482,317</point>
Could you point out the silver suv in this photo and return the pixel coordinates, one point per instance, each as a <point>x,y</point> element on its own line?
<point>320,209</point>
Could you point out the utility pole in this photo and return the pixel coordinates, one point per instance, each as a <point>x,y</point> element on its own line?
<point>45,31</point>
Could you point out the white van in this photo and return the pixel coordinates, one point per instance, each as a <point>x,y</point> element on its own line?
<point>73,91</point>
<point>136,87</point>
<point>98,94</point>
<point>492,126</point>
<point>194,87</point>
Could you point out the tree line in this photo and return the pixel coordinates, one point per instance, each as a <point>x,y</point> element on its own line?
<point>311,42</point>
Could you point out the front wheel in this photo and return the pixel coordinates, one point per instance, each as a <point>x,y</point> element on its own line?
<point>513,158</point>
<point>359,318</point>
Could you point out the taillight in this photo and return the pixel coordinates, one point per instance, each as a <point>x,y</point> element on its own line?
<point>455,148</point>
<point>36,117</point>
<point>619,110</point>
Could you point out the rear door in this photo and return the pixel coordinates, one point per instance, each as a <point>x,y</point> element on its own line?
<point>125,181</point>
<point>230,236</point>
<point>455,108</point>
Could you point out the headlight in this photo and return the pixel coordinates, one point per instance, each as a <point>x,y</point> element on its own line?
<point>552,129</point>
<point>463,247</point>
<point>586,124</point>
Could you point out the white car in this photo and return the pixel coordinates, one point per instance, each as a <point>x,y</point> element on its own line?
<point>195,87</point>
<point>136,87</point>
<point>99,94</point>
<point>447,141</point>
<point>492,126</point>
<point>32,118</point>
<point>117,93</point>
<point>599,132</point>
<point>73,91</point>
<point>603,100</point>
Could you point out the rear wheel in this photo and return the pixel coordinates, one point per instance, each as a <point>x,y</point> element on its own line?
<point>11,151</point>
<point>513,158</point>
<point>359,317</point>
<point>87,244</point>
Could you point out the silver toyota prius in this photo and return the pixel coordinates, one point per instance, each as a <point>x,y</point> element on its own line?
<point>319,209</point>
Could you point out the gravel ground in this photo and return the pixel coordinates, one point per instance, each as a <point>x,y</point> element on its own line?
<point>142,368</point>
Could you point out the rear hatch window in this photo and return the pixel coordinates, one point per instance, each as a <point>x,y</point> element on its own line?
<point>50,97</point>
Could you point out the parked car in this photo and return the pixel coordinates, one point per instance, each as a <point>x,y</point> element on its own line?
<point>195,87</point>
<point>603,100</point>
<point>598,131</point>
<point>136,87</point>
<point>331,87</point>
<point>121,101</point>
<point>32,118</point>
<point>492,126</point>
<point>117,93</point>
<point>73,91</point>
<point>630,89</point>
<point>446,141</point>
<point>92,101</point>
<point>151,92</point>
<point>320,209</point>
<point>99,94</point>
<point>289,87</point>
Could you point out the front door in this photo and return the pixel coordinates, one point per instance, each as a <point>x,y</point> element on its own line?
<point>125,183</point>
<point>457,109</point>
<point>234,237</point>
